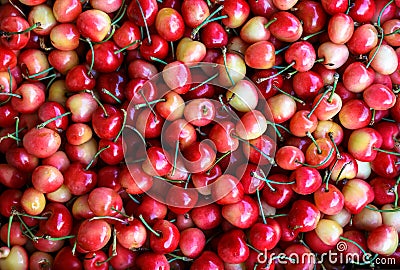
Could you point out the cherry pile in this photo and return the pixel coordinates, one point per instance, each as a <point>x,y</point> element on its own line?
<point>199,134</point>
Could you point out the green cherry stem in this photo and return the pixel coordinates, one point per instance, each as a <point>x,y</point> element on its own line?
<point>255,175</point>
<point>113,249</point>
<point>133,198</point>
<point>260,80</point>
<point>313,35</point>
<point>92,52</point>
<point>270,159</point>
<point>98,101</point>
<point>269,23</point>
<point>120,14</point>
<point>260,205</point>
<point>155,59</point>
<point>109,217</point>
<point>383,210</point>
<point>377,48</point>
<point>142,105</point>
<point>137,132</point>
<point>206,21</point>
<point>338,155</point>
<point>95,157</point>
<point>182,258</point>
<point>218,160</point>
<point>175,157</point>
<point>322,162</point>
<point>282,49</point>
<point>328,89</point>
<point>309,135</point>
<point>335,82</point>
<point>147,103</point>
<point>9,34</point>
<point>226,67</point>
<point>148,226</point>
<point>111,95</point>
<point>144,20</point>
<point>10,220</point>
<point>17,129</point>
<point>127,46</point>
<point>381,12</point>
<point>42,125</point>
<point>386,151</point>
<point>342,170</point>
<point>225,108</point>
<point>289,95</point>
<point>123,125</point>
<point>205,82</point>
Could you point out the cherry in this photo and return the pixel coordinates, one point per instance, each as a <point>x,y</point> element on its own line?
<point>169,17</point>
<point>303,216</point>
<point>93,24</point>
<point>308,180</point>
<point>388,240</point>
<point>232,247</point>
<point>165,237</point>
<point>279,192</point>
<point>242,214</point>
<point>105,58</point>
<point>286,26</point>
<point>150,260</point>
<point>237,12</point>
<point>312,14</point>
<point>93,235</point>
<point>362,11</point>
<point>180,200</point>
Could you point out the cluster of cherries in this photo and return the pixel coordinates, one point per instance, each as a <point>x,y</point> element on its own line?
<point>199,134</point>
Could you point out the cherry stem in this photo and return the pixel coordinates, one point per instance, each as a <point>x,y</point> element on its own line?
<point>282,49</point>
<point>260,205</point>
<point>382,210</point>
<point>10,87</point>
<point>382,10</point>
<point>269,23</point>
<point>313,35</point>
<point>172,49</point>
<point>349,6</point>
<point>253,248</point>
<point>17,8</point>
<point>183,258</point>
<point>206,21</point>
<point>109,217</point>
<point>9,34</point>
<point>328,89</point>
<point>175,157</point>
<point>113,249</point>
<point>309,135</point>
<point>155,59</point>
<point>277,215</point>
<point>98,102</point>
<point>147,103</point>
<point>95,156</point>
<point>92,60</point>
<point>111,95</point>
<point>328,176</point>
<point>260,80</point>
<point>145,21</point>
<point>127,46</point>
<point>133,198</point>
<point>42,125</point>
<point>218,160</point>
<point>137,132</point>
<point>342,170</point>
<point>38,73</point>
<point>119,212</point>
<point>377,48</point>
<point>270,159</point>
<point>123,125</point>
<point>17,129</point>
<point>386,151</point>
<point>10,94</point>
<point>224,106</point>
<point>12,135</point>
<point>16,213</point>
<point>338,155</point>
<point>148,226</point>
<point>10,220</point>
<point>396,194</point>
<point>205,82</point>
<point>353,242</point>
<point>393,33</point>
<point>187,180</point>
<point>335,82</point>
<point>168,180</point>
<point>373,112</point>
<point>263,178</point>
<point>48,237</point>
<point>142,105</point>
<point>120,14</point>
<point>28,233</point>
<point>289,95</point>
<point>322,162</point>
<point>278,133</point>
<point>226,67</point>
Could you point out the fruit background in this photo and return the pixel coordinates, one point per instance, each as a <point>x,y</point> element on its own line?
<point>199,134</point>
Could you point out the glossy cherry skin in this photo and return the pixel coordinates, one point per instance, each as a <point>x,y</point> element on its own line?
<point>237,12</point>
<point>105,58</point>
<point>150,9</point>
<point>41,143</point>
<point>386,165</point>
<point>287,26</point>
<point>59,222</point>
<point>134,180</point>
<point>158,48</point>
<point>93,235</point>
<point>78,79</point>
<point>214,35</point>
<point>14,24</point>
<point>242,214</point>
<point>66,11</point>
<point>78,180</point>
<point>232,247</point>
<point>303,55</point>
<point>94,24</point>
<point>173,20</point>
<point>132,234</point>
<point>8,59</point>
<point>355,109</point>
<point>151,260</point>
<point>199,156</point>
<point>168,239</point>
<point>289,157</point>
<point>227,189</point>
<point>312,14</point>
<point>106,124</point>
<point>362,144</point>
<point>363,40</point>
<point>357,194</point>
<point>308,180</point>
<point>362,11</point>
<point>181,200</point>
<point>303,216</point>
<point>157,162</point>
